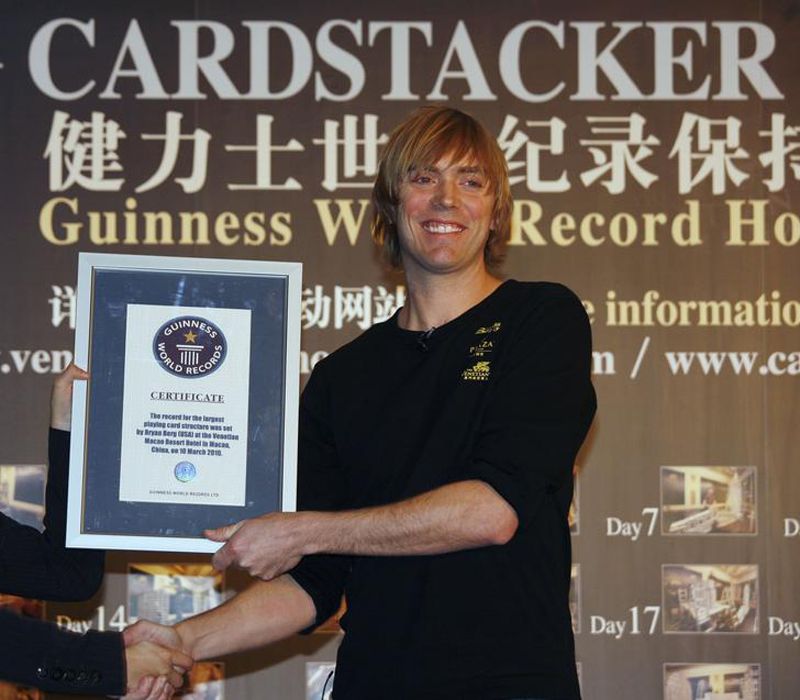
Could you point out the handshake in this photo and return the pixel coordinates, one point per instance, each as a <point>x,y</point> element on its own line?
<point>156,659</point>
<point>157,656</point>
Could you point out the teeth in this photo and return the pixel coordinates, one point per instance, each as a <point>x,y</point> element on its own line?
<point>437,227</point>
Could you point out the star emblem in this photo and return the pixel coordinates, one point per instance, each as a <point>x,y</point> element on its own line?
<point>190,337</point>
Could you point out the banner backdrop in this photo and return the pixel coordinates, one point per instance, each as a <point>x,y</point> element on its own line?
<point>654,151</point>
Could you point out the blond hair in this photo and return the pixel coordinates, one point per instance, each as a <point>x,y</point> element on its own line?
<point>428,135</point>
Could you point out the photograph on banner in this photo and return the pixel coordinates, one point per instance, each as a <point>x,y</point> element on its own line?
<point>708,501</point>
<point>331,625</point>
<point>319,679</point>
<point>169,593</point>
<point>704,681</point>
<point>574,509</point>
<point>26,607</point>
<point>206,681</point>
<point>575,597</point>
<point>22,493</point>
<point>12,691</point>
<point>710,598</point>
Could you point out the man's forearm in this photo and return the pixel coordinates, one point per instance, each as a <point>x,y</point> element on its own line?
<point>462,515</point>
<point>264,613</point>
<point>457,516</point>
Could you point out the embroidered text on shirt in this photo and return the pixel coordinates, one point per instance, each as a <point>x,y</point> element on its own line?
<point>488,329</point>
<point>479,372</point>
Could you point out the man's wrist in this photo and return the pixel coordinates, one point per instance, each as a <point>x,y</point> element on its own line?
<point>314,530</point>
<point>188,639</point>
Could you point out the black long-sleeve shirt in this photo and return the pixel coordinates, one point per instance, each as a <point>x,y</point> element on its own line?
<point>501,394</point>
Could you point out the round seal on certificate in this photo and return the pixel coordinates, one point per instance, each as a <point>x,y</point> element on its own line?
<point>185,471</point>
<point>190,346</point>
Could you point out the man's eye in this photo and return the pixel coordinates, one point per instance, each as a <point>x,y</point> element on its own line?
<point>422,179</point>
<point>473,183</point>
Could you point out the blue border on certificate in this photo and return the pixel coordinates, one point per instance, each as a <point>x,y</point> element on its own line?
<point>113,290</point>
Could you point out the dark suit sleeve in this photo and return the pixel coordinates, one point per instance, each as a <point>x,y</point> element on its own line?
<point>37,565</point>
<point>37,653</point>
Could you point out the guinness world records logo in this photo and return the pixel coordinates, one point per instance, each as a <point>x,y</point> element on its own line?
<point>189,346</point>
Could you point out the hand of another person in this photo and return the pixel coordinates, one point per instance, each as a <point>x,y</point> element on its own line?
<point>149,659</point>
<point>265,547</point>
<point>61,397</point>
<point>146,631</point>
<point>151,688</point>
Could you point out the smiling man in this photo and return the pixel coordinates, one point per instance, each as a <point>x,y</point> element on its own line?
<point>436,454</point>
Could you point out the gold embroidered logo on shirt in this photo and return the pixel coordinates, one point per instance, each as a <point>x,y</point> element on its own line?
<point>479,372</point>
<point>482,348</point>
<point>483,330</point>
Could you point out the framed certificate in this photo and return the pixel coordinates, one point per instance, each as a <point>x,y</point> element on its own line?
<point>189,418</point>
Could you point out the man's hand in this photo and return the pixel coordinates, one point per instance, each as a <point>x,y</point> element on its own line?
<point>61,397</point>
<point>265,547</point>
<point>156,659</point>
<point>146,631</point>
<point>147,659</point>
<point>151,688</point>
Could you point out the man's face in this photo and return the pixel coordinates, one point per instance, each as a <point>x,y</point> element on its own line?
<point>444,217</point>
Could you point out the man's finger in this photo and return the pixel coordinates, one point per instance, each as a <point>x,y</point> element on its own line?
<point>224,533</point>
<point>166,693</point>
<point>144,630</point>
<point>222,559</point>
<point>133,634</point>
<point>142,689</point>
<point>175,679</point>
<point>180,660</point>
<point>76,372</point>
<point>71,373</point>
<point>145,685</point>
<point>159,688</point>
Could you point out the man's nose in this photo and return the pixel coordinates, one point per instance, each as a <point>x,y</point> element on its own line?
<point>446,194</point>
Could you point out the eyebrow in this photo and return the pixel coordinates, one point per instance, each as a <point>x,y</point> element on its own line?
<point>464,169</point>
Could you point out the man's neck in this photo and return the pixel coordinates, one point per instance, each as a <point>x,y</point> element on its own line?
<point>434,300</point>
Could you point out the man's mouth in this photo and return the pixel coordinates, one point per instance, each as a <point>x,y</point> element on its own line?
<point>433,226</point>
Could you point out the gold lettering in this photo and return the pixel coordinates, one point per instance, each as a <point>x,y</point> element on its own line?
<point>71,230</point>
